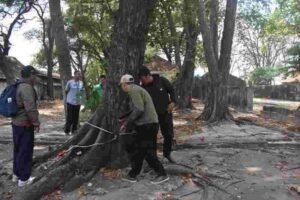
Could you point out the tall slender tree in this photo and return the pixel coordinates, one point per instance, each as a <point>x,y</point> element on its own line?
<point>48,44</point>
<point>185,78</point>
<point>216,106</point>
<point>61,42</point>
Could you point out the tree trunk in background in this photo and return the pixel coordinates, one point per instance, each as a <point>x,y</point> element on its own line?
<point>174,34</point>
<point>50,64</point>
<point>216,107</point>
<point>6,70</point>
<point>80,164</point>
<point>61,43</point>
<point>185,78</point>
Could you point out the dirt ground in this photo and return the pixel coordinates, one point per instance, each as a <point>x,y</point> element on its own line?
<point>258,160</point>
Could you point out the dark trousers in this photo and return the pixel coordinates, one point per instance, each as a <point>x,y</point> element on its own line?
<point>23,138</point>
<point>144,147</point>
<point>72,118</point>
<point>166,128</point>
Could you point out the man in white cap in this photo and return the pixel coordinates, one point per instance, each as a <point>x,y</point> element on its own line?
<point>145,122</point>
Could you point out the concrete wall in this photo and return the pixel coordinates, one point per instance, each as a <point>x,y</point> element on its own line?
<point>282,92</point>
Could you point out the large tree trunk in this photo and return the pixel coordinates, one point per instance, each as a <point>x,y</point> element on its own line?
<point>61,42</point>
<point>80,164</point>
<point>216,106</point>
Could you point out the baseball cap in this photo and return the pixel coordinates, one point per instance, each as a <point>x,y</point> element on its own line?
<point>126,78</point>
<point>27,71</point>
<point>144,71</point>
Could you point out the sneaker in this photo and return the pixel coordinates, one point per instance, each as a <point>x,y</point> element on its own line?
<point>24,183</point>
<point>128,178</point>
<point>160,179</point>
<point>170,159</point>
<point>14,178</point>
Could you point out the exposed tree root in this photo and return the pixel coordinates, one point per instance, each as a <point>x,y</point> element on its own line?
<point>180,170</point>
<point>204,187</point>
<point>239,145</point>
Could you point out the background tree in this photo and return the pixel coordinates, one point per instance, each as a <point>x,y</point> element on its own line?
<point>47,40</point>
<point>186,71</point>
<point>293,63</point>
<point>216,107</point>
<point>125,56</point>
<point>15,10</point>
<point>166,31</point>
<point>266,75</point>
<point>61,42</point>
<point>265,30</point>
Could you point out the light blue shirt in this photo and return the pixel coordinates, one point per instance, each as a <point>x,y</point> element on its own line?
<point>75,92</point>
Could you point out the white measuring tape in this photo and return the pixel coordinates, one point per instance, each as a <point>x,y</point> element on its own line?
<point>96,144</point>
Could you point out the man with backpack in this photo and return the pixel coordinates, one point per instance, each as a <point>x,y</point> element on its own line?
<point>24,124</point>
<point>163,96</point>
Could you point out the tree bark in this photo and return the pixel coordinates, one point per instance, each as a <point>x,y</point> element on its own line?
<point>125,56</point>
<point>61,42</point>
<point>185,79</point>
<point>7,71</point>
<point>216,106</point>
<point>50,64</point>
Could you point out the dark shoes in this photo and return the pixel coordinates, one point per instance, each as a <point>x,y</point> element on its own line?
<point>170,159</point>
<point>129,178</point>
<point>159,179</point>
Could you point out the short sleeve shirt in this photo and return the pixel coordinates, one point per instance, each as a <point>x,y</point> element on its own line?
<point>75,92</point>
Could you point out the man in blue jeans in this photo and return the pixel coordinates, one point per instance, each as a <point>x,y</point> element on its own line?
<point>24,124</point>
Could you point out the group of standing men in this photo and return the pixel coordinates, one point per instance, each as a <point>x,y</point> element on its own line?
<point>152,106</point>
<point>152,102</point>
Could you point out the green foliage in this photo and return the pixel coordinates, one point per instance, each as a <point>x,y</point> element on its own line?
<point>93,102</point>
<point>90,23</point>
<point>149,53</point>
<point>265,75</point>
<point>294,59</point>
<point>95,69</point>
<point>255,12</point>
<point>160,36</point>
<point>289,10</point>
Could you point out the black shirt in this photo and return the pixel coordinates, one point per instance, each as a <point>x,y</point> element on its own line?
<point>161,92</point>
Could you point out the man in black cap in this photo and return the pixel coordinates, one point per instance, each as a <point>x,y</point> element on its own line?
<point>163,96</point>
<point>24,124</point>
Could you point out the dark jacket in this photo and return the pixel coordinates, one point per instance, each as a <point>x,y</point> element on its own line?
<point>161,92</point>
